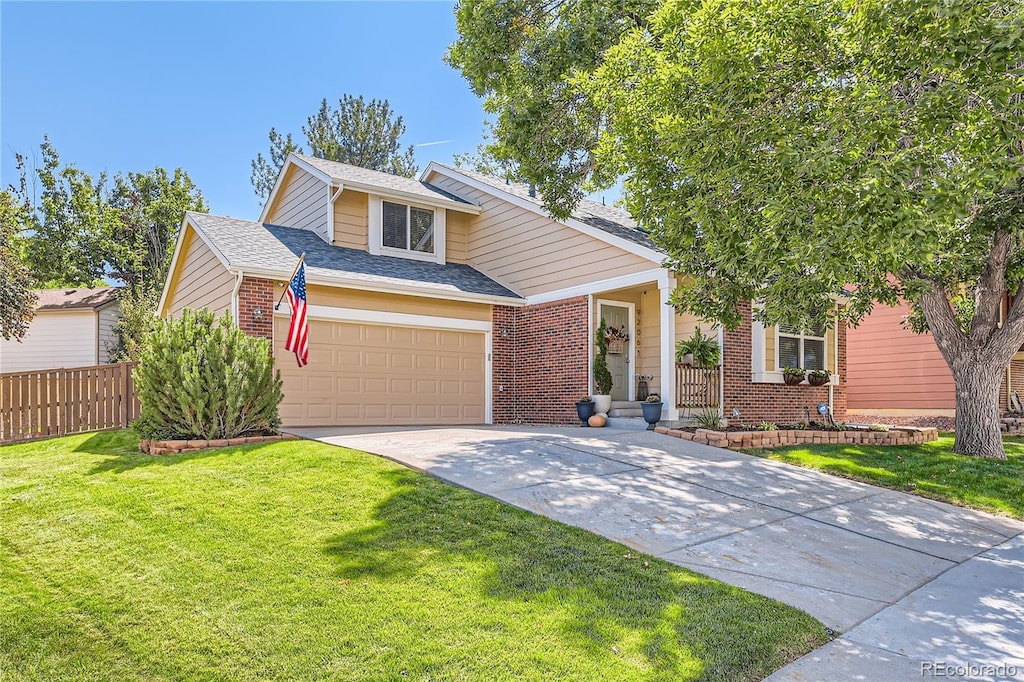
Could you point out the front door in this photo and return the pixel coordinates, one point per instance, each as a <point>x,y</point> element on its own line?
<point>619,317</point>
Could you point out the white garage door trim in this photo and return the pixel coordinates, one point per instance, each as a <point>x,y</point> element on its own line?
<point>323,312</point>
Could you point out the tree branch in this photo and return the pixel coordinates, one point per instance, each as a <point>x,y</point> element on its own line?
<point>988,292</point>
<point>943,324</point>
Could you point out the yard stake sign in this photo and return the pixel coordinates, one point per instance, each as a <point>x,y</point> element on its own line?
<point>298,330</point>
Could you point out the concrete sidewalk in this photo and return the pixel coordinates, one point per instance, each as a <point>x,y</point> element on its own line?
<point>908,581</point>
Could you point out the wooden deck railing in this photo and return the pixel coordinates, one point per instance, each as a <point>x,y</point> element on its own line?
<point>59,402</point>
<point>697,386</point>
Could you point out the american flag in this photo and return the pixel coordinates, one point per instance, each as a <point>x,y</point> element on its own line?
<point>298,330</point>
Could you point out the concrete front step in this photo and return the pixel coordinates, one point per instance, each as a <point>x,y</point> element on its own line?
<point>626,404</point>
<point>632,423</point>
<point>625,412</point>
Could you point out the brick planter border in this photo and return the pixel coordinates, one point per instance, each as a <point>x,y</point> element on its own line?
<point>173,447</point>
<point>1011,425</point>
<point>737,440</point>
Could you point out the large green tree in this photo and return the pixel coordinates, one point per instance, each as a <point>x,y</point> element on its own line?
<point>16,297</point>
<point>781,152</point>
<point>76,230</point>
<point>358,132</point>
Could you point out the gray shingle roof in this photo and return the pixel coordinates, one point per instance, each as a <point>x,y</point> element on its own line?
<point>71,298</point>
<point>263,246</point>
<point>346,173</point>
<point>608,218</point>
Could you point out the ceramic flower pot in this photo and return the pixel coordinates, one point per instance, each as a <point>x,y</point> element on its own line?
<point>585,410</point>
<point>652,413</point>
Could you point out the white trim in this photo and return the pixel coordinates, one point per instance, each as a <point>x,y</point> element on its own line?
<point>667,362</point>
<point>659,275</point>
<point>608,238</point>
<point>488,377</point>
<point>234,296</point>
<point>721,371</point>
<point>630,351</point>
<point>388,288</point>
<point>326,312</point>
<point>376,234</point>
<point>590,344</point>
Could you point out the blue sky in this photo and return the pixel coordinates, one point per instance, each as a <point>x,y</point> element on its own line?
<point>130,86</point>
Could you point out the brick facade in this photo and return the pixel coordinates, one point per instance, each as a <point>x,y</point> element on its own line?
<point>256,293</point>
<point>540,360</point>
<point>775,403</point>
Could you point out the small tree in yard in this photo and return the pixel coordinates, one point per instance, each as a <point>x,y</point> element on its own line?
<point>199,377</point>
<point>602,376</point>
<point>781,151</point>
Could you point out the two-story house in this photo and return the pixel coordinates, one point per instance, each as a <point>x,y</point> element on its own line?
<point>455,299</point>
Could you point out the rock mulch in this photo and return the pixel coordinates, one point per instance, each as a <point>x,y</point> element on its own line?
<point>738,440</point>
<point>173,447</point>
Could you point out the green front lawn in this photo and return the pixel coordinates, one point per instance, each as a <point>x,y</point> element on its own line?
<point>930,470</point>
<point>298,560</point>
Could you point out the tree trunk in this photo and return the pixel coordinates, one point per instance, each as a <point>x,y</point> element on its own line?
<point>977,410</point>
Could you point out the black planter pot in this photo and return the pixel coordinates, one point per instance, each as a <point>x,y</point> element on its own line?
<point>652,413</point>
<point>585,410</point>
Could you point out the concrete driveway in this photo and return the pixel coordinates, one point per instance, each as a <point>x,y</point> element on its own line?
<point>908,582</point>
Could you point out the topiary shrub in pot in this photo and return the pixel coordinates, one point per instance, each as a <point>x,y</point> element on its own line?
<point>203,378</point>
<point>602,376</point>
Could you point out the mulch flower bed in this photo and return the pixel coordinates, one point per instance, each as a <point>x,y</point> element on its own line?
<point>173,447</point>
<point>740,439</point>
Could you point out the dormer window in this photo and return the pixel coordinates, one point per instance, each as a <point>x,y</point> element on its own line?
<point>407,228</point>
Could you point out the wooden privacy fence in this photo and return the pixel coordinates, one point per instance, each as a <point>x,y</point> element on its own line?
<point>58,402</point>
<point>697,386</point>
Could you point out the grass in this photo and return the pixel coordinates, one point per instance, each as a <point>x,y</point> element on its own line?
<point>298,560</point>
<point>930,470</point>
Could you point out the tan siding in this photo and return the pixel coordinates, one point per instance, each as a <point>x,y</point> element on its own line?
<point>55,339</point>
<point>456,232</point>
<point>649,330</point>
<point>890,367</point>
<point>531,254</point>
<point>108,336</point>
<point>200,280</point>
<point>769,348</point>
<point>351,221</point>
<point>301,202</point>
<point>395,303</point>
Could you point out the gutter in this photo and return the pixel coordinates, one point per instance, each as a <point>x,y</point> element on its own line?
<point>234,296</point>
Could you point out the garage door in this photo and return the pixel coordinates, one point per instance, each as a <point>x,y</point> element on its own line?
<point>377,374</point>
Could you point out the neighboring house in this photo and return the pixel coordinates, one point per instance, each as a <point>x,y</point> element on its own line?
<point>71,328</point>
<point>897,373</point>
<point>455,299</point>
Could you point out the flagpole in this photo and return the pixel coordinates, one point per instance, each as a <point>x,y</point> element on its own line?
<point>297,266</point>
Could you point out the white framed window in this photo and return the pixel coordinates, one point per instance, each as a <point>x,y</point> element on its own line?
<point>406,230</point>
<point>800,348</point>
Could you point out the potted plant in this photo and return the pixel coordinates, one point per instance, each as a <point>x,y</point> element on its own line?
<point>698,350</point>
<point>585,409</point>
<point>793,375</point>
<point>602,377</point>
<point>819,377</point>
<point>652,410</point>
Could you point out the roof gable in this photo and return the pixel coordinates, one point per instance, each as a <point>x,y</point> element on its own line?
<point>607,223</point>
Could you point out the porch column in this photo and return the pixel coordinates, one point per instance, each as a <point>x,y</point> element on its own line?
<point>669,410</point>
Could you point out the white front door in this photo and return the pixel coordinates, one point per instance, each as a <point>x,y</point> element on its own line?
<point>619,316</point>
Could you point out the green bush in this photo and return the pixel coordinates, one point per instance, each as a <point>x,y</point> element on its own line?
<point>602,375</point>
<point>199,377</point>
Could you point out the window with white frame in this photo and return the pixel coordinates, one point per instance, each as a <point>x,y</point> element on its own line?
<point>407,228</point>
<point>798,348</point>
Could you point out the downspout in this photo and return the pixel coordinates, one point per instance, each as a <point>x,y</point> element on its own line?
<point>721,371</point>
<point>234,298</point>
<point>332,197</point>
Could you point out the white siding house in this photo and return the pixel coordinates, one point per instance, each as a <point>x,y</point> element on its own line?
<point>71,328</point>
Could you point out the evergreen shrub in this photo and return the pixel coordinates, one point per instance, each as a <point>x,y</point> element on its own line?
<point>203,378</point>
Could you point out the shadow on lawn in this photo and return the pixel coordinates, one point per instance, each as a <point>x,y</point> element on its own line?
<point>687,624</point>
<point>121,448</point>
